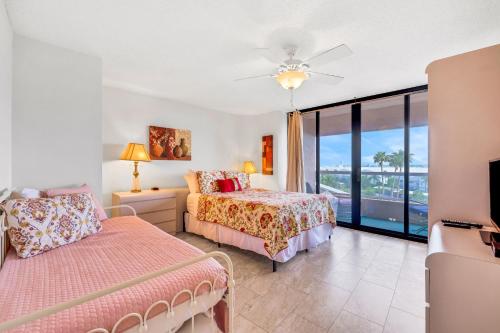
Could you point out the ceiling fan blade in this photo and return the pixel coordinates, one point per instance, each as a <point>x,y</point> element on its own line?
<point>335,53</point>
<point>255,77</point>
<point>325,78</point>
<point>270,55</point>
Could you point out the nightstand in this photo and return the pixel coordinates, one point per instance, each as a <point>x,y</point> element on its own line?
<point>157,207</point>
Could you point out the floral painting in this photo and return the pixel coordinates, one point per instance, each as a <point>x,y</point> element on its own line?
<point>169,143</point>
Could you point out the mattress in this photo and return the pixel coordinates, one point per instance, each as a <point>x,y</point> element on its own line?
<point>127,247</point>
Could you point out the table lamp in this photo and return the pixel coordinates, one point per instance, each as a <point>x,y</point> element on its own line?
<point>249,167</point>
<point>137,153</point>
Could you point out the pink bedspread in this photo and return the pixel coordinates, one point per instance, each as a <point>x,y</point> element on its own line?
<point>127,247</point>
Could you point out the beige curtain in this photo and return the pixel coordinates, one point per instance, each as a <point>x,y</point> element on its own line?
<point>295,173</point>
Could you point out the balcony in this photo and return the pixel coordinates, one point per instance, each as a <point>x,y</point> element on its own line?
<point>382,199</point>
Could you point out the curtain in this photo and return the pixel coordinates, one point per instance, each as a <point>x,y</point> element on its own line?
<point>295,173</point>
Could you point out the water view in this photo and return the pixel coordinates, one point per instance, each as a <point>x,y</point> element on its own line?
<point>382,177</point>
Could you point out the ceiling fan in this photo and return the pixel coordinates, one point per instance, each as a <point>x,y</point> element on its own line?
<point>292,72</point>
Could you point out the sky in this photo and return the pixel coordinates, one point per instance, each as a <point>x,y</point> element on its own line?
<point>335,150</point>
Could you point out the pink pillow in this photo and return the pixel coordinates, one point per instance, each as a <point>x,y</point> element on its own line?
<point>52,192</point>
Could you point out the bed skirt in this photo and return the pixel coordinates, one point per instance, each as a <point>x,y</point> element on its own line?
<point>224,235</point>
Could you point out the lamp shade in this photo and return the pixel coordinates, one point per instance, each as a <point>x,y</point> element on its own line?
<point>135,152</point>
<point>249,167</point>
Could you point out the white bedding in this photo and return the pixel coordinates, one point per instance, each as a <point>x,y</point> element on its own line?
<point>192,203</point>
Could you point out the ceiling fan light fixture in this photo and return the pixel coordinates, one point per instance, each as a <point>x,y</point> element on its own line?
<point>291,79</point>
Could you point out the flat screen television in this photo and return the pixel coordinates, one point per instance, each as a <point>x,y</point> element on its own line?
<point>495,192</point>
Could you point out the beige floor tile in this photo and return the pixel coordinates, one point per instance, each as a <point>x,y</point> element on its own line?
<point>383,273</point>
<point>312,292</point>
<point>323,305</point>
<point>350,323</point>
<point>410,297</point>
<point>360,257</point>
<point>243,298</point>
<point>296,324</point>
<point>399,321</point>
<point>390,255</point>
<point>412,270</point>
<point>269,310</point>
<point>261,283</point>
<point>343,275</point>
<point>243,325</point>
<point>302,279</point>
<point>370,301</point>
<point>416,252</point>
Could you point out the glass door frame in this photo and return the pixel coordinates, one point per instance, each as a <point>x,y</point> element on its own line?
<point>356,111</point>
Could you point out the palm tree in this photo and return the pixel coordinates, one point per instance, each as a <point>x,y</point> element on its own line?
<point>397,160</point>
<point>380,158</point>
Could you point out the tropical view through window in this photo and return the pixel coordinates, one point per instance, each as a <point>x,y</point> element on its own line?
<point>382,163</point>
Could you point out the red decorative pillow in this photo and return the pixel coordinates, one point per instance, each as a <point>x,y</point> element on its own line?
<point>229,185</point>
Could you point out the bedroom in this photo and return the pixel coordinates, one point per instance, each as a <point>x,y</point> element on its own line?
<point>80,80</point>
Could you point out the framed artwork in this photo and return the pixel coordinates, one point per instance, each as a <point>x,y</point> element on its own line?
<point>267,155</point>
<point>169,143</point>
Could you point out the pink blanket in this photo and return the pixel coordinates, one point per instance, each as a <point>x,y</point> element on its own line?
<point>127,247</point>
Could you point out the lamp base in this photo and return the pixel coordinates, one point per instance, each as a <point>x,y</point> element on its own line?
<point>136,183</point>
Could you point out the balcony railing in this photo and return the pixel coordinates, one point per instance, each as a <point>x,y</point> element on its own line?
<point>382,198</point>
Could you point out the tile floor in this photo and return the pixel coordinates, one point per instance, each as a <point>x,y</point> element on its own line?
<point>357,282</point>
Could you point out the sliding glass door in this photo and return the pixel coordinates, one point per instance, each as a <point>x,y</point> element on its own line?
<point>372,155</point>
<point>335,168</point>
<point>419,165</point>
<point>382,163</point>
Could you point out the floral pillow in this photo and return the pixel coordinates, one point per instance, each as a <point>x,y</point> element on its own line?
<point>42,224</point>
<point>242,177</point>
<point>208,181</point>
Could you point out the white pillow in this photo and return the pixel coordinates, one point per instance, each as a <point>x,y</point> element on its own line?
<point>26,193</point>
<point>192,181</point>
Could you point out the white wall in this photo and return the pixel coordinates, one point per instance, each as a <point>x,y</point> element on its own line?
<point>5,98</point>
<point>56,119</point>
<point>126,117</point>
<point>464,133</point>
<point>250,138</point>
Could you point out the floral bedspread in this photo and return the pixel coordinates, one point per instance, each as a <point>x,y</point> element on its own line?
<point>272,216</point>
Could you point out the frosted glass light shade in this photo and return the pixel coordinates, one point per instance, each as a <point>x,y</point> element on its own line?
<point>291,79</point>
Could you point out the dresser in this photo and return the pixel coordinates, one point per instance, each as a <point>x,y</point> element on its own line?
<point>462,283</point>
<point>156,207</point>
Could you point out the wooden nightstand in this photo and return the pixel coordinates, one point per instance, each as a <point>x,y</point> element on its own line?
<point>156,207</point>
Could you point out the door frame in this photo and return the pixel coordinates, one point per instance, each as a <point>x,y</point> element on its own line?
<point>356,111</point>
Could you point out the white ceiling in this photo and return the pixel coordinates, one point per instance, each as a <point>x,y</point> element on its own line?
<point>191,50</point>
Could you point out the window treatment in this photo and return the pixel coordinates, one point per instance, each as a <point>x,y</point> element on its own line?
<point>295,173</point>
